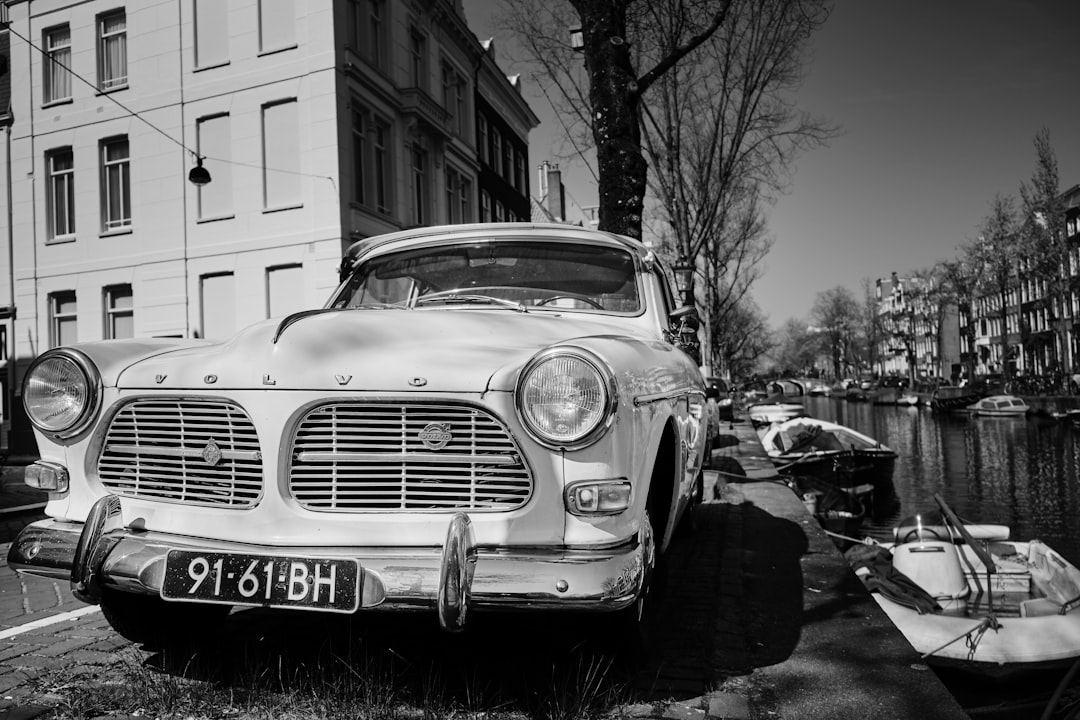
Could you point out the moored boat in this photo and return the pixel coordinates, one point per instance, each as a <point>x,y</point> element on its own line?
<point>773,410</point>
<point>969,598</point>
<point>999,406</point>
<point>952,397</point>
<point>834,455</point>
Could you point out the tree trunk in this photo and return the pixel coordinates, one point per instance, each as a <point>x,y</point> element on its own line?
<point>613,91</point>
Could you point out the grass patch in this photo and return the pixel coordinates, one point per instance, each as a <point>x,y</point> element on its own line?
<point>434,678</point>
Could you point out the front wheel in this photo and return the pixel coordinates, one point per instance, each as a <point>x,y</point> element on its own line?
<point>155,623</point>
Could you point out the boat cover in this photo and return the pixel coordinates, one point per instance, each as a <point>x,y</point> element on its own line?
<point>873,565</point>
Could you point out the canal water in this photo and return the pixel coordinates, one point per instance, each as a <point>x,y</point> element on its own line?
<point>1021,472</point>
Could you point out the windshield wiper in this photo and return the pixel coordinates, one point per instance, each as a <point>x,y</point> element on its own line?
<point>453,296</point>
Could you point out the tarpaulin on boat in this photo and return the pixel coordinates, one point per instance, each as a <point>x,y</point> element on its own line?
<point>873,565</point>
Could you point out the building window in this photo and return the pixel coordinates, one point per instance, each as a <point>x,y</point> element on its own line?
<point>485,206</point>
<point>454,89</point>
<point>417,59</point>
<point>57,81</point>
<point>217,302</point>
<point>371,161</point>
<point>458,197</point>
<point>420,193</point>
<point>112,50</point>
<point>60,193</point>
<point>369,30</point>
<point>211,33</point>
<point>281,155</point>
<point>499,217</point>
<point>508,161</point>
<point>496,151</point>
<point>519,172</point>
<point>482,142</point>
<point>63,319</point>
<point>212,138</point>
<point>277,25</point>
<point>115,184</point>
<point>284,290</point>
<point>119,312</point>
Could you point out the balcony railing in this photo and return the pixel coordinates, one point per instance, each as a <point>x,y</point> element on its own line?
<point>415,101</point>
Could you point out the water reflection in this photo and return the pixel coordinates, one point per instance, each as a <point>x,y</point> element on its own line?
<point>1021,472</point>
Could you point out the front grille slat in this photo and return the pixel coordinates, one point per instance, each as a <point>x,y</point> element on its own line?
<point>154,449</point>
<point>349,457</point>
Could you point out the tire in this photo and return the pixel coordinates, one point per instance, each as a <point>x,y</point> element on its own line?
<point>154,623</point>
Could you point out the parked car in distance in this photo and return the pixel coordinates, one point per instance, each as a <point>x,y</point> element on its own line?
<point>481,417</point>
<point>717,389</point>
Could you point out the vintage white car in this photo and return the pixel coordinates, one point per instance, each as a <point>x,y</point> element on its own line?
<point>482,417</point>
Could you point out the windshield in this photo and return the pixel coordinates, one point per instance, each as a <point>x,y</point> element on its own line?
<point>528,274</point>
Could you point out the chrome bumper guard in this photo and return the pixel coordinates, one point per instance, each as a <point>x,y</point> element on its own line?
<point>452,579</point>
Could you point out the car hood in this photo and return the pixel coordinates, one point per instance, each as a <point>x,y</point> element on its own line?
<point>440,350</point>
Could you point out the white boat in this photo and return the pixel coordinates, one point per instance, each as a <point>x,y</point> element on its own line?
<point>999,405</point>
<point>833,456</point>
<point>768,413</point>
<point>908,399</point>
<point>967,597</point>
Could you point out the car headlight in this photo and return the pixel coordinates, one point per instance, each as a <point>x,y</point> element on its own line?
<point>565,398</point>
<point>61,392</point>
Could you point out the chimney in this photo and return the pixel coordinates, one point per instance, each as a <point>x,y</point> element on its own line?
<point>556,198</point>
<point>541,180</point>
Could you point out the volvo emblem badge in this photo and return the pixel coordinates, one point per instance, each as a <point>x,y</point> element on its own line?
<point>343,379</point>
<point>418,382</point>
<point>435,436</point>
<point>210,379</point>
<point>211,453</point>
<point>160,378</point>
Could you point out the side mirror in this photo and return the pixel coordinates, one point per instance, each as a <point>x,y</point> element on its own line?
<point>683,332</point>
<point>685,317</point>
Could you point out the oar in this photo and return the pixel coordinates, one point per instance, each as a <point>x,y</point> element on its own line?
<point>956,523</point>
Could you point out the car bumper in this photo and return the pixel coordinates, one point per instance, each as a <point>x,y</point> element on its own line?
<point>450,579</point>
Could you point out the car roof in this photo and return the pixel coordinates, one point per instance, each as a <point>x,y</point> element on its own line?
<point>491,231</point>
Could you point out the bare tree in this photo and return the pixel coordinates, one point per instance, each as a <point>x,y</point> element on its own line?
<point>747,339</point>
<point>959,287</point>
<point>623,56</point>
<point>836,314</point>
<point>797,348</point>
<point>1046,243</point>
<point>717,67</point>
<point>871,332</point>
<point>996,255</point>
<point>720,136</point>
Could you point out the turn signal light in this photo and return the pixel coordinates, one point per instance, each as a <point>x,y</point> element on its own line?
<point>598,498</point>
<point>46,476</point>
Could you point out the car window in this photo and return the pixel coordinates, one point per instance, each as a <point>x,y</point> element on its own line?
<point>537,274</point>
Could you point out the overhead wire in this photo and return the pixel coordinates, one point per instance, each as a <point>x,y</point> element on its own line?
<point>134,113</point>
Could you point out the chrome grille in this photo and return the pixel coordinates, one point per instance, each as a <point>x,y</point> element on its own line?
<point>373,457</point>
<point>198,452</point>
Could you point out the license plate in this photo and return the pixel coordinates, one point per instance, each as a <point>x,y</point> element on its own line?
<point>263,580</point>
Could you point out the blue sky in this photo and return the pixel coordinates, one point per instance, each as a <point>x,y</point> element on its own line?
<point>939,102</point>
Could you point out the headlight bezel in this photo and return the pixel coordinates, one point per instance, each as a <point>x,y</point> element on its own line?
<point>90,377</point>
<point>605,381</point>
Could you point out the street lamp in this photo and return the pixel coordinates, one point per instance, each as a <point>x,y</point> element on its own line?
<point>199,175</point>
<point>684,279</point>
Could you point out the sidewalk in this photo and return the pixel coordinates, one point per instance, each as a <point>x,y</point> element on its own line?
<point>847,660</point>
